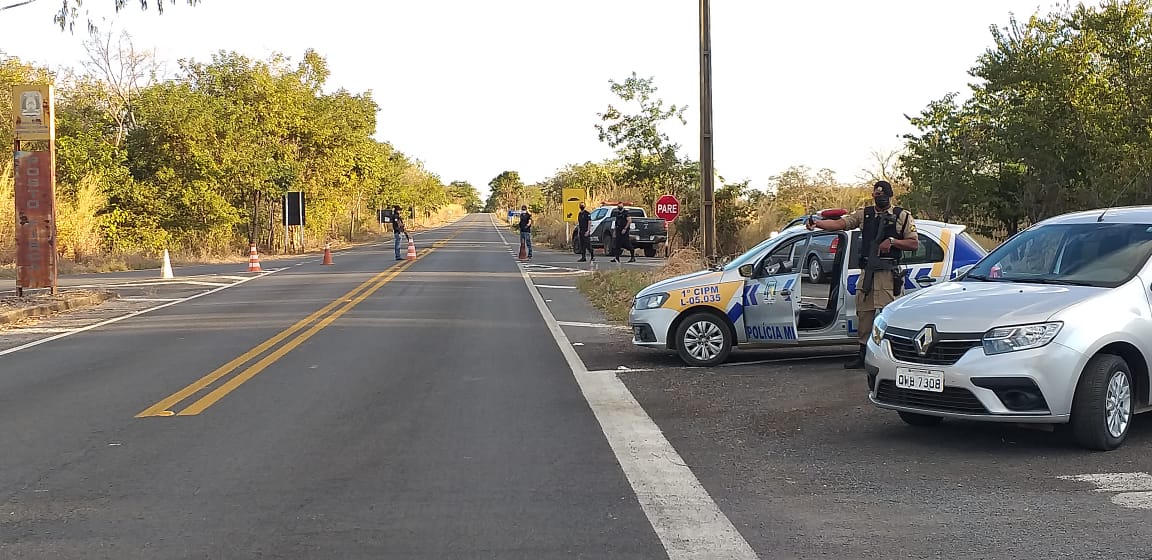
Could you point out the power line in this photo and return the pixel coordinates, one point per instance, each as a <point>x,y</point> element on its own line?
<point>17,5</point>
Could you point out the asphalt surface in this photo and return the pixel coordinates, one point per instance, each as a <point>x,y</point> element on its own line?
<point>437,418</point>
<point>434,418</point>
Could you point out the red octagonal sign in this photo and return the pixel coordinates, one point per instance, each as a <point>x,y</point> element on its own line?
<point>668,207</point>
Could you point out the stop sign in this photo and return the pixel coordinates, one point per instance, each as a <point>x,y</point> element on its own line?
<point>668,207</point>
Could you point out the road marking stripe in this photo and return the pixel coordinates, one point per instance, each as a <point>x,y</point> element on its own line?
<point>684,516</point>
<point>556,287</point>
<point>129,315</point>
<point>161,408</point>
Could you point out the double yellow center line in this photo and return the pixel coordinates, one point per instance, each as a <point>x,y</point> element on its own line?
<point>318,320</point>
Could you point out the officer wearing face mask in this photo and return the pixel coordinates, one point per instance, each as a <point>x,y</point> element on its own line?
<point>899,235</point>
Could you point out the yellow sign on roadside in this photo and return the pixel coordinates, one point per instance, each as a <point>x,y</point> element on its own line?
<point>572,200</point>
<point>32,107</point>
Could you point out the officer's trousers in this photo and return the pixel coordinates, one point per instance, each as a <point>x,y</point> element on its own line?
<point>867,306</point>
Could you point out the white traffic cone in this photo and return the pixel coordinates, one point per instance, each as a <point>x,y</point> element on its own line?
<point>166,270</point>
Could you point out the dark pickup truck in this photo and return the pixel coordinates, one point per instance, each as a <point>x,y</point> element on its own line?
<point>646,233</point>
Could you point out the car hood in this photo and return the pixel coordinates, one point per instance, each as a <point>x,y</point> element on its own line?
<point>971,307</point>
<point>684,281</point>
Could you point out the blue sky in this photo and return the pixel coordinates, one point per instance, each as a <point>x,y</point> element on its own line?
<point>473,88</point>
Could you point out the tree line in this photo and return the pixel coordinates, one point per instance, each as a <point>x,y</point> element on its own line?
<point>199,162</point>
<point>1058,119</point>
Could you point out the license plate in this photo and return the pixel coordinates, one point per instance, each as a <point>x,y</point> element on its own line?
<point>920,379</point>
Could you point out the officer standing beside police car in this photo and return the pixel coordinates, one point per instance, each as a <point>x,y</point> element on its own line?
<point>899,235</point>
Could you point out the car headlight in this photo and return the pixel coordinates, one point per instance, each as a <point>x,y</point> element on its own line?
<point>651,301</point>
<point>878,329</point>
<point>1023,337</point>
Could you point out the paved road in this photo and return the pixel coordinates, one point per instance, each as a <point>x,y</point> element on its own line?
<point>370,409</point>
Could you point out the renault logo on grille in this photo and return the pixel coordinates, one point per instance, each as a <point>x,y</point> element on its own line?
<point>924,340</point>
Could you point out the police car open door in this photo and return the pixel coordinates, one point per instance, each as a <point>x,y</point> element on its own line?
<point>772,294</point>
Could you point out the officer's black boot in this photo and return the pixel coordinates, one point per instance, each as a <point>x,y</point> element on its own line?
<point>859,362</point>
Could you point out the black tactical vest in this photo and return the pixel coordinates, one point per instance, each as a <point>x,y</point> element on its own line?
<point>868,233</point>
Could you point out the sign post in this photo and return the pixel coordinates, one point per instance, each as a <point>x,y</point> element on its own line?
<point>667,209</point>
<point>294,216</point>
<point>34,126</point>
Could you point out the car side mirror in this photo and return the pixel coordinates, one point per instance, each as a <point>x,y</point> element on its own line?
<point>962,270</point>
<point>746,270</point>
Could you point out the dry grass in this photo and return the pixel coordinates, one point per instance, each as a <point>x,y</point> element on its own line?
<point>612,291</point>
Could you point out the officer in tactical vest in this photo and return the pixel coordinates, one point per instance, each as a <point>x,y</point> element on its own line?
<point>886,232</point>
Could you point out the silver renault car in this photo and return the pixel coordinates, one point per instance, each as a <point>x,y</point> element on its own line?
<point>1053,326</point>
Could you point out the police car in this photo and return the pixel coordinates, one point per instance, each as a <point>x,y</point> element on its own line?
<point>766,297</point>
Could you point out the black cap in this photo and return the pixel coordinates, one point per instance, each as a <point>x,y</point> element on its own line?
<point>884,185</point>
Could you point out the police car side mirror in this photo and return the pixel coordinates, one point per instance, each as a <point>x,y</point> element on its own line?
<point>746,270</point>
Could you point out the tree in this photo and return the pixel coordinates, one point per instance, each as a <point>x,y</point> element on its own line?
<point>464,194</point>
<point>649,157</point>
<point>505,190</point>
<point>70,11</point>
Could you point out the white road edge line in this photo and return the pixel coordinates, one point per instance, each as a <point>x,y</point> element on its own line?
<point>688,522</point>
<point>556,287</point>
<point>130,315</point>
<point>497,228</point>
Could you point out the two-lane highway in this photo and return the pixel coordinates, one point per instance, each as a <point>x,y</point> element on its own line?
<point>371,409</point>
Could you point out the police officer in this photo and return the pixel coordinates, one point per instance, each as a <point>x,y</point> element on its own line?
<point>397,229</point>
<point>526,228</point>
<point>622,226</point>
<point>584,234</point>
<point>899,235</point>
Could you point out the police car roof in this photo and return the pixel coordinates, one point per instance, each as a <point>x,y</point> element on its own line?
<point>930,224</point>
<point>1119,214</point>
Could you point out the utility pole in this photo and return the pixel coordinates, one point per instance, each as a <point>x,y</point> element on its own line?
<point>708,219</point>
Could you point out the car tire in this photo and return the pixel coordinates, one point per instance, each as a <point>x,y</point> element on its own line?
<point>815,270</point>
<point>649,251</point>
<point>703,340</point>
<point>605,241</point>
<point>919,420</point>
<point>1102,407</point>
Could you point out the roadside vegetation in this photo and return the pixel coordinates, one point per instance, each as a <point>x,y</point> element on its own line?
<point>1058,118</point>
<point>197,162</point>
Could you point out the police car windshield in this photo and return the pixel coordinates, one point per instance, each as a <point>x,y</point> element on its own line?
<point>750,255</point>
<point>1097,254</point>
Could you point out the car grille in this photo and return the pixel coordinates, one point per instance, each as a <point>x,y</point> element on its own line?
<point>953,399</point>
<point>945,352</point>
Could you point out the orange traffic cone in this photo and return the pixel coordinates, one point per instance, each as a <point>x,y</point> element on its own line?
<point>523,251</point>
<point>327,255</point>
<point>253,260</point>
<point>411,250</point>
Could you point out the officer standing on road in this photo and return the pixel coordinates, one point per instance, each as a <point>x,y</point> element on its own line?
<point>899,235</point>
<point>526,228</point>
<point>621,227</point>
<point>584,234</point>
<point>397,229</point>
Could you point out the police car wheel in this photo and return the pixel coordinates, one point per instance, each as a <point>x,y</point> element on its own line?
<point>703,340</point>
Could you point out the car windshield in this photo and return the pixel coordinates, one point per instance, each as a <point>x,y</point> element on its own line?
<point>1104,255</point>
<point>750,255</point>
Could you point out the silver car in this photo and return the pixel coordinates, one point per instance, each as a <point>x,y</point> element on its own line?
<point>1053,326</point>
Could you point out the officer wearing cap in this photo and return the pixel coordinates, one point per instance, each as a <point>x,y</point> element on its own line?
<point>899,235</point>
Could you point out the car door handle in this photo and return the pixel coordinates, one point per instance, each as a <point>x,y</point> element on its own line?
<point>785,292</point>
